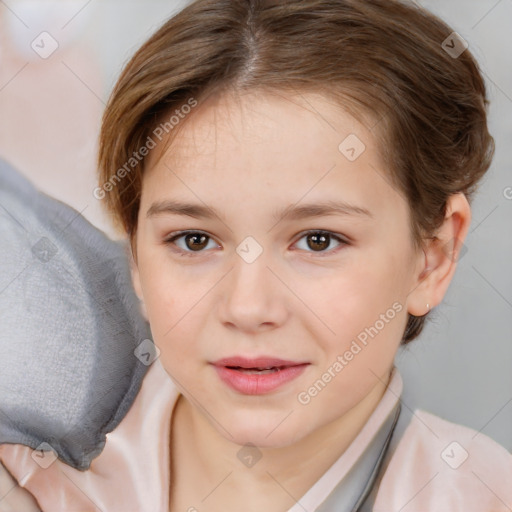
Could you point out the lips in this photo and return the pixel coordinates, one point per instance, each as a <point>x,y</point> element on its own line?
<point>259,375</point>
<point>256,364</point>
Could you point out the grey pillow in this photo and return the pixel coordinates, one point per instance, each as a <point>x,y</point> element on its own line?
<point>74,345</point>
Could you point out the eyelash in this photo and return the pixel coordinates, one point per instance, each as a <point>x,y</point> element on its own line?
<point>180,234</point>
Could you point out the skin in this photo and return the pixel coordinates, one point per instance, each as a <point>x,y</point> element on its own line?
<point>245,157</point>
<point>13,497</point>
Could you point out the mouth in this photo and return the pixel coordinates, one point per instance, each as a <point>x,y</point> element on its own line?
<point>257,371</point>
<point>257,375</point>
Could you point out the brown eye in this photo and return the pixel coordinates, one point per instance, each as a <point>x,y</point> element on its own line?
<point>192,242</point>
<point>196,241</point>
<point>320,241</point>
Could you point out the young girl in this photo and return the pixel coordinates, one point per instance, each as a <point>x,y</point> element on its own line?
<point>294,179</point>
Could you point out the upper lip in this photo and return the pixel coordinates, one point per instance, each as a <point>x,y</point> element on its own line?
<point>257,362</point>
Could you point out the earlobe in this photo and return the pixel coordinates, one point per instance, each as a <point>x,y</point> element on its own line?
<point>442,253</point>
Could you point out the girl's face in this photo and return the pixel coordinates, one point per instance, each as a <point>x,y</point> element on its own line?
<point>269,229</point>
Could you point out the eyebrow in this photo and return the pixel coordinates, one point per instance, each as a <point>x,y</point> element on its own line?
<point>291,212</point>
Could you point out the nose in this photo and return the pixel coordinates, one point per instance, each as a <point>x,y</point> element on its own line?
<point>253,298</point>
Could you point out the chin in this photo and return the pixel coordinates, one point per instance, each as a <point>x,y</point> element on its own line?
<point>264,433</point>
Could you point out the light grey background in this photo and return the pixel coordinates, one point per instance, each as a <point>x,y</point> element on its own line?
<point>463,360</point>
<point>461,366</point>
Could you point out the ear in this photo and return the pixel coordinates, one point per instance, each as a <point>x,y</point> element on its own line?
<point>442,253</point>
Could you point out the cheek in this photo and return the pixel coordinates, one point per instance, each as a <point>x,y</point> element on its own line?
<point>364,303</point>
<point>366,313</point>
<point>168,298</point>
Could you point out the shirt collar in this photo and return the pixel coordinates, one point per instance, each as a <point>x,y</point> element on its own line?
<point>347,483</point>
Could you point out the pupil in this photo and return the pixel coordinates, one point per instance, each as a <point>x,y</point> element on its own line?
<point>195,237</point>
<point>321,241</point>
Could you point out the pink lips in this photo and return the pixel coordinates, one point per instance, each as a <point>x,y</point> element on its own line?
<point>259,375</point>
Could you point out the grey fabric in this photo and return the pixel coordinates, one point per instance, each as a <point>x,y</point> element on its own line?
<point>410,390</point>
<point>354,491</point>
<point>69,325</point>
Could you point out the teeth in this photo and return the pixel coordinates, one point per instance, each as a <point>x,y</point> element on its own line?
<point>253,368</point>
<point>256,371</point>
<point>252,371</point>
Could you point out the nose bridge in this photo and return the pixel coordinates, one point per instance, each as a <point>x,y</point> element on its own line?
<point>250,275</point>
<point>252,294</point>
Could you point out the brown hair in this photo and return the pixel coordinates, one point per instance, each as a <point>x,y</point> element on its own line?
<point>384,58</point>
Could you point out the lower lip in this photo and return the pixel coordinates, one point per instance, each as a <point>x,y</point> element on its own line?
<point>258,384</point>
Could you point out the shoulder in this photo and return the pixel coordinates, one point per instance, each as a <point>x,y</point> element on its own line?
<point>440,465</point>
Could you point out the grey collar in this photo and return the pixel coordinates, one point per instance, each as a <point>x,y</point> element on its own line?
<point>353,491</point>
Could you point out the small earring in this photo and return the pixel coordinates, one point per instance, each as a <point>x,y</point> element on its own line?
<point>428,308</point>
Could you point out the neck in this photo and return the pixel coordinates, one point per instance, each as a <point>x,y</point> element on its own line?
<point>296,467</point>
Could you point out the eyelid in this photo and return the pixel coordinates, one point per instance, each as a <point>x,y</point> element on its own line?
<point>169,240</point>
<point>341,239</point>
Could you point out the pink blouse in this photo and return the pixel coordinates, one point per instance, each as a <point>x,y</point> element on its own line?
<point>432,466</point>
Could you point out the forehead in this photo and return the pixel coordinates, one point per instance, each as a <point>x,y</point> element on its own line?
<point>248,121</point>
<point>271,146</point>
